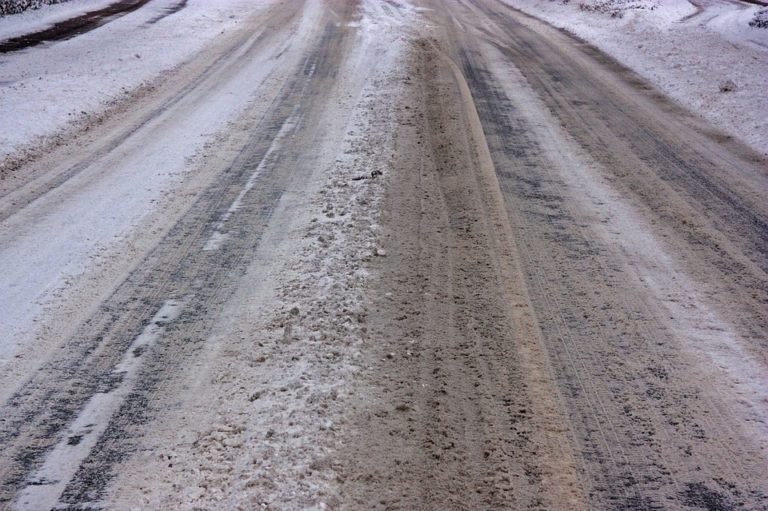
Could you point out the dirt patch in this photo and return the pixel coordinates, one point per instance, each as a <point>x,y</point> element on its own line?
<point>760,19</point>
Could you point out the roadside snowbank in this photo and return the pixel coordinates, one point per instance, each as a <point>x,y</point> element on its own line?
<point>703,54</point>
<point>46,89</point>
<point>16,6</point>
<point>45,16</point>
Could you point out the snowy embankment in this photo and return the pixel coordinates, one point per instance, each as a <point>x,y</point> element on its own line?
<point>703,53</point>
<point>69,84</point>
<point>17,6</point>
<point>44,16</point>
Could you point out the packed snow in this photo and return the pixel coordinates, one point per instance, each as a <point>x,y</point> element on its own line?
<point>260,428</point>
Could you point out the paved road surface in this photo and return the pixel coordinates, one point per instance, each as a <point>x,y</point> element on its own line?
<point>572,312</point>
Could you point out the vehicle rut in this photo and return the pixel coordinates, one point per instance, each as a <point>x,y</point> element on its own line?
<point>186,268</point>
<point>650,445</point>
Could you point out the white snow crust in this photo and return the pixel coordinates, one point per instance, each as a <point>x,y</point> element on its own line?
<point>67,82</point>
<point>35,20</point>
<point>690,50</point>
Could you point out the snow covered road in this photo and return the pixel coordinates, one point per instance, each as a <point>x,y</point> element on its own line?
<point>159,207</point>
<point>371,254</point>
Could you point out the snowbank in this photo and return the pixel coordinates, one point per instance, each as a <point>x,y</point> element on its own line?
<point>37,19</point>
<point>17,6</point>
<point>703,54</point>
<point>68,84</point>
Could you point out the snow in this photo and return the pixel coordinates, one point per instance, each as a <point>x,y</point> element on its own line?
<point>46,89</point>
<point>687,49</point>
<point>49,481</point>
<point>270,399</point>
<point>141,186</point>
<point>44,251</point>
<point>36,20</point>
<point>254,419</point>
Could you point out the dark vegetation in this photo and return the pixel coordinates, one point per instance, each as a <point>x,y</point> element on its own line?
<point>17,6</point>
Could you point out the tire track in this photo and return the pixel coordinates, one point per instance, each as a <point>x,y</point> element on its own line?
<point>178,269</point>
<point>648,431</point>
<point>463,414</point>
<point>495,110</point>
<point>169,11</point>
<point>229,60</point>
<point>648,156</point>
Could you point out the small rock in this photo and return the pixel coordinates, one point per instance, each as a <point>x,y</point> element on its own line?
<point>727,86</point>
